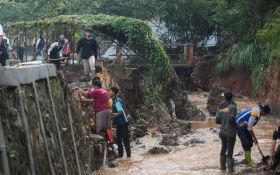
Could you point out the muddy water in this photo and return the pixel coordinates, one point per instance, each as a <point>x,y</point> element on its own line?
<point>194,159</point>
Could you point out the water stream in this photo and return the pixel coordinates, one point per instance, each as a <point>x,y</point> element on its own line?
<point>195,159</point>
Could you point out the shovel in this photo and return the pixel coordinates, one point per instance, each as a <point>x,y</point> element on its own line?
<point>264,158</point>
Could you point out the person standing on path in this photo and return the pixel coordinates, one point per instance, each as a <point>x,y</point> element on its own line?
<point>245,121</point>
<point>19,43</point>
<point>120,119</point>
<point>88,47</point>
<point>225,117</point>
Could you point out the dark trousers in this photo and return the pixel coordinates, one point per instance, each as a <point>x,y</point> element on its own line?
<point>276,157</point>
<point>227,146</point>
<point>20,54</point>
<point>245,138</point>
<point>3,59</point>
<point>123,138</point>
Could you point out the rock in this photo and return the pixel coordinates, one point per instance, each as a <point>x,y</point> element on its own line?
<point>213,130</point>
<point>193,142</point>
<point>139,133</point>
<point>179,127</point>
<point>112,164</point>
<point>159,150</point>
<point>240,153</point>
<point>214,98</point>
<point>169,140</point>
<point>142,124</point>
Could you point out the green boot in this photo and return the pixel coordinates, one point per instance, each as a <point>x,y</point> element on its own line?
<point>230,164</point>
<point>248,158</point>
<point>223,162</point>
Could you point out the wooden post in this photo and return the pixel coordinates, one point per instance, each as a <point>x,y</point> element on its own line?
<point>191,61</point>
<point>185,53</point>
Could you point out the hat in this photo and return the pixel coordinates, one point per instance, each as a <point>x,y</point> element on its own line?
<point>228,95</point>
<point>265,108</point>
<point>61,37</point>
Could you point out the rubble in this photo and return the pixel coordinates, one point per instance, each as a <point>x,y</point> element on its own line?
<point>159,150</point>
<point>194,142</point>
<point>169,140</point>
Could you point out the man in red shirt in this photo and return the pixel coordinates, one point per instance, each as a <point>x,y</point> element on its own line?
<point>100,104</point>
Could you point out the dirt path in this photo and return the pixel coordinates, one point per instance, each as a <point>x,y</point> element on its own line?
<point>195,158</point>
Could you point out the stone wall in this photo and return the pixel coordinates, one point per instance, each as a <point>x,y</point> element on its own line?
<point>41,128</point>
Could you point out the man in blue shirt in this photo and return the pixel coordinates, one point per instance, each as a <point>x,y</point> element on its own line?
<point>245,121</point>
<point>120,119</point>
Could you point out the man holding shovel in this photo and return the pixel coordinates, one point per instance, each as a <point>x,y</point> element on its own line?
<point>245,121</point>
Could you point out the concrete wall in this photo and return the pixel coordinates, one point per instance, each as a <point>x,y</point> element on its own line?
<point>41,128</point>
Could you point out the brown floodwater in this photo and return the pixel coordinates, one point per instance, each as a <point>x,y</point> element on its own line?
<point>200,159</point>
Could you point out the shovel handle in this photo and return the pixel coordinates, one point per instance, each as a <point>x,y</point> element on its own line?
<point>260,150</point>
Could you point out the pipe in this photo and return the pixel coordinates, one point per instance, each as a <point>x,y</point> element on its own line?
<point>57,126</point>
<point>72,134</point>
<point>43,128</point>
<point>26,128</point>
<point>4,156</point>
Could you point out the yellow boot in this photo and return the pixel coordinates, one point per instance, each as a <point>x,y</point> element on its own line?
<point>248,158</point>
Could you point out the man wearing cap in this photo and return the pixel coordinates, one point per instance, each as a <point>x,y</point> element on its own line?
<point>88,46</point>
<point>54,53</point>
<point>225,116</point>
<point>245,121</point>
<point>66,48</point>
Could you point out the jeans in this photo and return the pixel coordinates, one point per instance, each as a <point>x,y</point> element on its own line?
<point>20,54</point>
<point>3,59</point>
<point>245,138</point>
<point>227,146</point>
<point>123,138</point>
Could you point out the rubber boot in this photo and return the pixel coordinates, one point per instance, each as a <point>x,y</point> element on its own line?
<point>223,162</point>
<point>230,164</point>
<point>248,158</point>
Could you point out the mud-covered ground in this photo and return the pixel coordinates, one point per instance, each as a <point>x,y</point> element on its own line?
<point>197,153</point>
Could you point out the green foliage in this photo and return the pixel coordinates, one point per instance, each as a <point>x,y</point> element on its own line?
<point>242,56</point>
<point>135,34</point>
<point>223,64</point>
<point>258,76</point>
<point>241,18</point>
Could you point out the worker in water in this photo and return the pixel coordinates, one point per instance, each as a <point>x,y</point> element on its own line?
<point>274,158</point>
<point>245,121</point>
<point>225,116</point>
<point>120,119</point>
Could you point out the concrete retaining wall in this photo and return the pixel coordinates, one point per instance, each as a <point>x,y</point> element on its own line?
<point>41,128</point>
